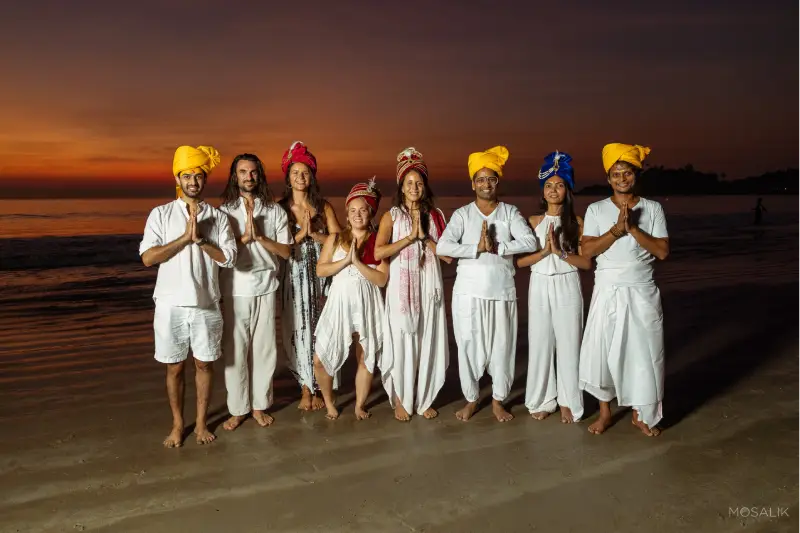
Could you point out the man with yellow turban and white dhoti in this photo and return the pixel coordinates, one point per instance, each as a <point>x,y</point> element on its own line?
<point>189,240</point>
<point>622,354</point>
<point>484,236</point>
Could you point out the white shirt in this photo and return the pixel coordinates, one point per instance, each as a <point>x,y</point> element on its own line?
<point>486,276</point>
<point>625,260</point>
<point>189,278</point>
<point>256,270</point>
<point>551,265</point>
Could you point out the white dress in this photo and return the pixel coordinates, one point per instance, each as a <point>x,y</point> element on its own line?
<point>415,353</point>
<point>555,325</point>
<point>354,305</point>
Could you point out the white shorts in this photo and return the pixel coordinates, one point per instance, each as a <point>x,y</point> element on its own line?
<point>177,329</point>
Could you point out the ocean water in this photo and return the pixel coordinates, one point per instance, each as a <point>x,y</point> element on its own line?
<point>76,306</point>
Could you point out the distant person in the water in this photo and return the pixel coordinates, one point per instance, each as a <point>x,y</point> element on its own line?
<point>189,240</point>
<point>262,233</point>
<point>759,212</point>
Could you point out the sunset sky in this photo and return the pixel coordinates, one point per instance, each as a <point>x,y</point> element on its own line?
<point>96,95</point>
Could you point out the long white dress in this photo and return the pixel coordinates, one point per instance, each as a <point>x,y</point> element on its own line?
<point>555,325</point>
<point>622,354</point>
<point>354,305</point>
<point>415,354</point>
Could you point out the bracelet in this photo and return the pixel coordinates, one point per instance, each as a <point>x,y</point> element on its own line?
<point>202,241</point>
<point>616,232</point>
<point>563,255</point>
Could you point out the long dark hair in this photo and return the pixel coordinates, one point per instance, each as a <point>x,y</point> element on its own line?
<point>569,232</point>
<point>231,193</point>
<point>426,203</point>
<point>315,198</point>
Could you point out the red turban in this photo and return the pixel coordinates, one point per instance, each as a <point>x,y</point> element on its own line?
<point>298,153</point>
<point>410,159</point>
<point>368,191</point>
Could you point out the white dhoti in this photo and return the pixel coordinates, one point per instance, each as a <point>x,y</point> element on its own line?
<point>413,364</point>
<point>486,336</point>
<point>249,333</point>
<point>622,354</point>
<point>555,324</point>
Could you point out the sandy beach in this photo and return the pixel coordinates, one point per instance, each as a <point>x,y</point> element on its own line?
<point>83,412</point>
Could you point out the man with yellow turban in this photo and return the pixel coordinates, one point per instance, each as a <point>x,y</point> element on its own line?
<point>622,354</point>
<point>189,240</point>
<point>484,236</point>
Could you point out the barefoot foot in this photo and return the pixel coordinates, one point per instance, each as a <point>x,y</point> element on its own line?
<point>466,412</point>
<point>430,413</point>
<point>601,424</point>
<point>500,412</point>
<point>175,438</point>
<point>540,415</point>
<point>234,422</point>
<point>263,418</point>
<point>332,413</point>
<point>650,432</point>
<point>400,412</point>
<point>566,415</point>
<point>317,403</point>
<point>306,400</point>
<point>362,414</point>
<point>203,435</point>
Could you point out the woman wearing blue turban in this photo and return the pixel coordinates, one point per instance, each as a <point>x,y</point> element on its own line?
<point>555,302</point>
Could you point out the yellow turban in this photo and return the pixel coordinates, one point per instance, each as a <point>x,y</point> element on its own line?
<point>630,153</point>
<point>493,159</point>
<point>187,158</point>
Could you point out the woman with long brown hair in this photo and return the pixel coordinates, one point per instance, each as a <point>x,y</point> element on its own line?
<point>555,302</point>
<point>311,220</point>
<point>415,354</point>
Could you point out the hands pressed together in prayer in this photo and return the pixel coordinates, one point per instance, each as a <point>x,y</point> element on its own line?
<point>251,228</point>
<point>417,233</point>
<point>624,225</point>
<point>551,244</point>
<point>486,243</point>
<point>192,233</point>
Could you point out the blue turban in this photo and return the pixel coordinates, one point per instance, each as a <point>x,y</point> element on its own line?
<point>557,164</point>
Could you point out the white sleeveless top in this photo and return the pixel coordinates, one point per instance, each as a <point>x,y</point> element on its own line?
<point>552,265</point>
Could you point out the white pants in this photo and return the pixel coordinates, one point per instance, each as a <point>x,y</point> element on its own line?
<point>486,335</point>
<point>176,329</point>
<point>413,365</point>
<point>555,325</point>
<point>249,333</point>
<point>622,354</point>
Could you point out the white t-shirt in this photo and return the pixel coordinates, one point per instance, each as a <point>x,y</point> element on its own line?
<point>626,258</point>
<point>189,278</point>
<point>486,276</point>
<point>256,271</point>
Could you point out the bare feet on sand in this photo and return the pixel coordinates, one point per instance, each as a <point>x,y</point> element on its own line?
<point>650,432</point>
<point>203,435</point>
<point>175,438</point>
<point>430,413</point>
<point>400,412</point>
<point>500,412</point>
<point>362,414</point>
<point>332,413</point>
<point>262,418</point>
<point>601,424</point>
<point>566,415</point>
<point>466,412</point>
<point>305,400</point>
<point>233,422</point>
<point>317,403</point>
<point>540,415</point>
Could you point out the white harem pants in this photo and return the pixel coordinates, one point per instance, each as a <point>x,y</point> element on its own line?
<point>249,335</point>
<point>622,354</point>
<point>486,336</point>
<point>555,325</point>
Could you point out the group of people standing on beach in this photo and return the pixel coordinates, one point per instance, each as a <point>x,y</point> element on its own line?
<point>374,289</point>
